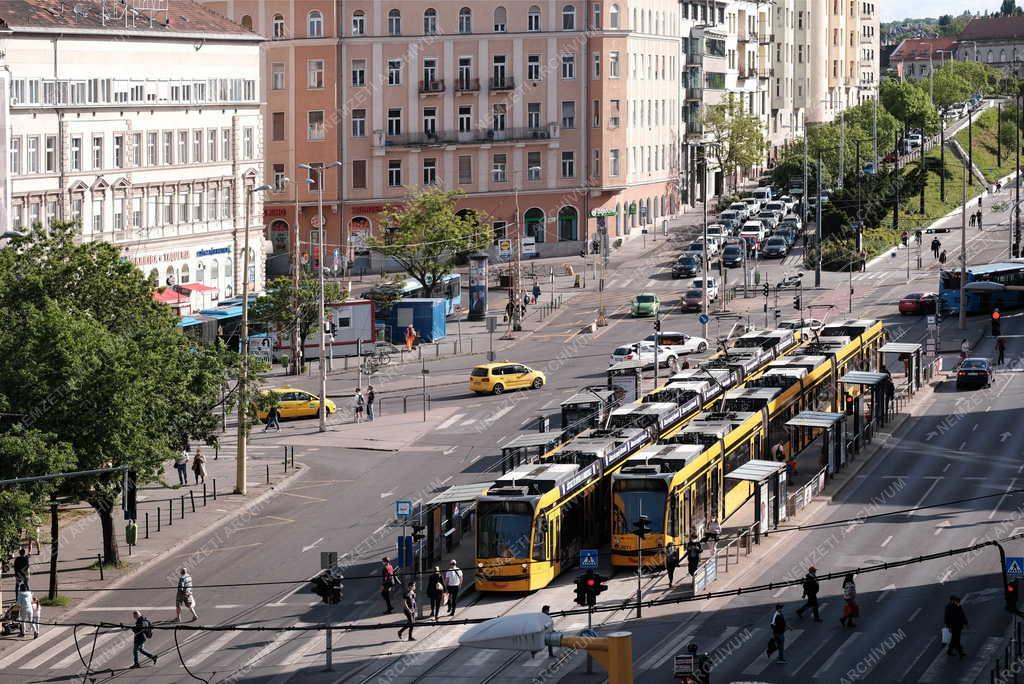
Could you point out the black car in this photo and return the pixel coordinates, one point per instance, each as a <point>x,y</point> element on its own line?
<point>685,266</point>
<point>732,256</point>
<point>774,247</point>
<point>974,372</point>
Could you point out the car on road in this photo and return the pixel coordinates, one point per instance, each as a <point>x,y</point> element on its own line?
<point>918,303</point>
<point>731,225</point>
<point>712,285</point>
<point>787,233</point>
<point>974,372</point>
<point>915,139</point>
<point>644,352</point>
<point>778,206</point>
<point>293,402</point>
<point>775,247</point>
<point>686,265</point>
<point>741,208</point>
<point>717,230</point>
<point>732,256</point>
<point>497,377</point>
<point>753,205</point>
<point>645,304</point>
<point>679,343</point>
<point>698,245</point>
<point>732,215</point>
<point>693,300</point>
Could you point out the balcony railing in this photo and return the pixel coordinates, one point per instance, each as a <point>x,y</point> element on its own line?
<point>694,94</point>
<point>506,83</point>
<point>475,137</point>
<point>432,86</point>
<point>467,85</point>
<point>766,38</point>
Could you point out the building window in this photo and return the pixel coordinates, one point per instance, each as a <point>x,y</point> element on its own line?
<point>32,155</point>
<point>315,73</point>
<point>597,66</point>
<point>182,157</point>
<point>248,143</point>
<point>613,114</point>
<point>569,114</point>
<point>314,175</point>
<point>358,123</point>
<point>315,125</point>
<point>533,19</point>
<point>430,171</point>
<point>613,64</point>
<point>277,126</point>
<point>15,145</point>
<point>465,20</point>
<point>597,15</point>
<point>568,18</point>
<point>429,71</point>
<point>279,178</point>
<point>533,168</point>
<point>533,115</point>
<point>498,228</point>
<point>358,23</point>
<point>533,67</point>
<point>394,22</point>
<point>168,151</point>
<point>613,162</point>
<point>51,153</point>
<point>278,26</point>
<point>568,164</point>
<point>430,22</point>
<point>118,151</point>
<point>500,19</point>
<point>136,150</point>
<point>498,112</point>
<point>595,113</point>
<point>465,169</point>
<point>315,25</point>
<point>358,72</point>
<point>394,122</point>
<point>247,22</point>
<point>359,174</point>
<point>465,118</point>
<point>225,144</point>
<point>394,173</point>
<point>277,76</point>
<point>499,168</point>
<point>568,66</point>
<point>197,146</point>
<point>595,163</point>
<point>613,16</point>
<point>394,72</point>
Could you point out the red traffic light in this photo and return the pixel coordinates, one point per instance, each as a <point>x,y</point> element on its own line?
<point>995,315</point>
<point>591,581</point>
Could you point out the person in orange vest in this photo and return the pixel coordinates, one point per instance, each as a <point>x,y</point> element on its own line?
<point>410,337</point>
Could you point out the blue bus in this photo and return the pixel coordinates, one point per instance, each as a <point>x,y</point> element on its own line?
<point>1004,272</point>
<point>450,291</point>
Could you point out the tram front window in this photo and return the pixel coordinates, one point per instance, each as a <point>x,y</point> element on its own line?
<point>634,498</point>
<point>504,529</point>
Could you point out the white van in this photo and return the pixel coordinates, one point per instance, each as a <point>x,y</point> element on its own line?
<point>763,194</point>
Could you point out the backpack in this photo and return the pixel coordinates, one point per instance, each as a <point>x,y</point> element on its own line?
<point>147,628</point>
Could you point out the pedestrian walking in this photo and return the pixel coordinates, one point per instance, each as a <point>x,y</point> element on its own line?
<point>778,640</point>
<point>536,292</point>
<point>917,236</point>
<point>371,400</point>
<point>974,219</point>
<point>714,530</point>
<point>410,337</point>
<point>850,609</point>
<point>409,609</point>
<point>955,620</point>
<point>693,550</point>
<point>811,587</point>
<point>143,631</point>
<point>184,597</point>
<point>965,349</point>
<point>273,419</point>
<point>199,467</point>
<point>388,581</point>
<point>942,258</point>
<point>1000,350</point>
<point>979,220</point>
<point>24,599</point>
<point>37,615</point>
<point>671,561</point>
<point>21,569</point>
<point>452,584</point>
<point>181,465</point>
<point>936,246</point>
<point>435,592</point>
<point>357,405</point>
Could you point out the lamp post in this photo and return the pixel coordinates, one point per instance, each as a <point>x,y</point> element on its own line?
<point>318,171</point>
<point>242,446</point>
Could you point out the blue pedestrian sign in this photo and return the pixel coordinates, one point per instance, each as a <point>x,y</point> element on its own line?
<point>1014,567</point>
<point>703,319</point>
<point>403,508</point>
<point>588,559</point>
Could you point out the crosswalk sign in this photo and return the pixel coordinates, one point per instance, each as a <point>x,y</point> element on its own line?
<point>1014,567</point>
<point>588,559</point>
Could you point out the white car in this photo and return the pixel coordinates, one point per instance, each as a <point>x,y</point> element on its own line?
<point>807,330</point>
<point>644,352</point>
<point>712,285</point>
<point>713,245</point>
<point>678,343</point>
<point>717,230</point>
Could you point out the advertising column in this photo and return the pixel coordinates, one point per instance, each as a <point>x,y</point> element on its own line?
<point>477,286</point>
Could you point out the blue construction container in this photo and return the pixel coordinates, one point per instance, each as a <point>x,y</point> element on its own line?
<point>426,315</point>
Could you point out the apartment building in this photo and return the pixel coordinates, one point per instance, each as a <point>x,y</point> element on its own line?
<point>997,41</point>
<point>141,121</point>
<point>544,113</point>
<point>919,57</point>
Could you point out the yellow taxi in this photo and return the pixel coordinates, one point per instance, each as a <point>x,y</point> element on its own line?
<point>504,375</point>
<point>295,403</point>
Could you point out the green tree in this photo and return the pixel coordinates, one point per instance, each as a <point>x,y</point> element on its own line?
<point>910,104</point>
<point>980,77</point>
<point>385,295</point>
<point>92,362</point>
<point>428,235</point>
<point>949,87</point>
<point>277,308</point>
<point>1009,8</point>
<point>737,136</point>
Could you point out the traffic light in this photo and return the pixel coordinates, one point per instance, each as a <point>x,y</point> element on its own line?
<point>418,533</point>
<point>796,302</point>
<point>657,325</point>
<point>600,585</point>
<point>327,585</point>
<point>996,325</point>
<point>849,400</point>
<point>765,289</point>
<point>130,497</point>
<point>1011,594</point>
<point>642,527</point>
<point>582,592</point>
<point>588,586</point>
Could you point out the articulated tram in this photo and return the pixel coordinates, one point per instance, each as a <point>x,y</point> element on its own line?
<point>533,521</point>
<point>680,484</point>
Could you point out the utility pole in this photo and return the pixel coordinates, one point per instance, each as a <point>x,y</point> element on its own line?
<point>970,147</point>
<point>706,255</point>
<point>896,182</point>
<point>999,139</point>
<point>942,159</point>
<point>922,174</point>
<point>1016,211</point>
<point>817,232</point>
<point>804,201</point>
<point>963,255</point>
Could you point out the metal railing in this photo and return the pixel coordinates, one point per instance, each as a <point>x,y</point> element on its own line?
<point>423,398</point>
<point>477,136</point>
<point>803,496</point>
<point>432,86</point>
<point>741,542</point>
<point>506,83</point>
<point>467,85</point>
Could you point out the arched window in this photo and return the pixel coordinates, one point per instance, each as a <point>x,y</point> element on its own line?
<point>252,266</point>
<point>154,277</point>
<point>315,24</point>
<point>359,23</point>
<point>613,17</point>
<point>200,272</point>
<point>643,22</point>
<point>569,18</point>
<point>214,272</point>
<point>184,273</point>
<point>394,23</point>
<point>430,22</point>
<point>990,55</point>
<point>170,277</point>
<point>533,19</point>
<point>596,20</point>
<point>278,26</point>
<point>1002,55</point>
<point>465,20</point>
<point>247,22</point>
<point>533,224</point>
<point>227,269</point>
<point>568,224</point>
<point>500,17</point>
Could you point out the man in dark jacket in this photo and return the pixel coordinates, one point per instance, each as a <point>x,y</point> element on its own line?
<point>142,631</point>
<point>435,592</point>
<point>693,551</point>
<point>778,626</point>
<point>671,561</point>
<point>21,569</point>
<point>955,620</point>
<point>811,594</point>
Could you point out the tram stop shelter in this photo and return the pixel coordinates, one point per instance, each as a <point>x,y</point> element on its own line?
<point>873,387</point>
<point>528,447</point>
<point>625,378</point>
<point>768,479</point>
<point>910,355</point>
<point>807,426</point>
<point>588,408</point>
<point>448,516</point>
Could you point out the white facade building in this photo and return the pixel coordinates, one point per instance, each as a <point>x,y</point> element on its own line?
<point>144,129</point>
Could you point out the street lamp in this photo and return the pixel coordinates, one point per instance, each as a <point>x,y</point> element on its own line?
<point>242,446</point>
<point>318,172</point>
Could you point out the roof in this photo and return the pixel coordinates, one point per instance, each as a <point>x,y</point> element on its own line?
<point>589,397</point>
<point>755,470</point>
<point>993,28</point>
<point>197,287</point>
<point>920,48</point>
<point>815,419</point>
<point>900,348</point>
<point>862,378</point>
<point>173,18</point>
<point>170,296</point>
<point>995,268</point>
<point>460,493</point>
<point>532,439</point>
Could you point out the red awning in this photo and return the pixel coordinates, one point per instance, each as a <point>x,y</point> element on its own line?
<point>197,287</point>
<point>169,296</point>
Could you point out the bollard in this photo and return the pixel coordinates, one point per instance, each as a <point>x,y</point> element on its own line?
<point>285,458</point>
<point>99,562</point>
<point>192,499</point>
<point>437,351</point>
<point>405,404</point>
<point>293,458</point>
<point>214,489</point>
<point>330,650</point>
<point>216,451</point>
<point>147,524</point>
<point>268,473</point>
<point>182,506</point>
<point>170,512</point>
<point>204,493</point>
<point>157,518</point>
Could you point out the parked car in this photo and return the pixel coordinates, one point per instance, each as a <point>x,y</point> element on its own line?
<point>974,372</point>
<point>678,342</point>
<point>918,303</point>
<point>775,247</point>
<point>686,265</point>
<point>732,256</point>
<point>645,304</point>
<point>712,285</point>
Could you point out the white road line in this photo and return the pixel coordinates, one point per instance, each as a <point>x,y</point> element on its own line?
<point>982,660</point>
<point>925,495</point>
<point>479,659</point>
<point>835,654</point>
<point>726,633</point>
<point>536,661</point>
<point>277,643</point>
<point>671,645</point>
<point>887,540</point>
<point>212,648</point>
<point>823,644</point>
<point>451,421</point>
<point>780,592</point>
<point>31,647</point>
<point>947,467</point>
<point>1002,499</point>
<point>938,528</point>
<point>919,656</point>
<point>913,615</point>
<point>962,445</point>
<point>226,606</point>
<point>499,414</point>
<point>974,428</point>
<point>144,609</point>
<point>468,422</point>
<point>763,661</point>
<point>102,642</point>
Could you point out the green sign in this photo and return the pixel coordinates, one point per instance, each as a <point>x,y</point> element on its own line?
<point>632,208</point>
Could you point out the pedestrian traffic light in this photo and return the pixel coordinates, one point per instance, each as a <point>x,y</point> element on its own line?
<point>642,527</point>
<point>765,289</point>
<point>418,533</point>
<point>849,401</point>
<point>996,325</point>
<point>582,592</point>
<point>657,325</point>
<point>1011,594</point>
<point>796,302</point>
<point>130,496</point>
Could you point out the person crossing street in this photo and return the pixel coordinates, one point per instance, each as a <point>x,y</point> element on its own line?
<point>142,631</point>
<point>778,640</point>
<point>936,246</point>
<point>955,620</point>
<point>184,597</point>
<point>811,587</point>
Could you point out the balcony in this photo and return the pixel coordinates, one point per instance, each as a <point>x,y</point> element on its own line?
<point>752,72</point>
<point>467,85</point>
<point>431,86</point>
<point>694,94</point>
<point>498,84</point>
<point>766,38</point>
<point>747,37</point>
<point>475,137</point>
<point>766,72</point>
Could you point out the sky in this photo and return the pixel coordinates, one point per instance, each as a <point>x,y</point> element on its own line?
<point>891,9</point>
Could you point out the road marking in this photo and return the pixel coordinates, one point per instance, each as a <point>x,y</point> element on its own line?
<point>304,496</point>
<point>313,545</point>
<point>1002,499</point>
<point>925,495</point>
<point>270,648</point>
<point>450,449</point>
<point>468,422</point>
<point>823,644</point>
<point>32,646</point>
<point>726,634</point>
<point>962,445</point>
<point>224,548</point>
<point>451,421</point>
<point>919,656</point>
<point>144,609</point>
<point>499,414</point>
<point>228,606</point>
<point>103,641</point>
<point>886,590</point>
<point>763,660</point>
<point>974,428</point>
<point>835,654</point>
<point>479,659</point>
<point>913,615</point>
<point>947,467</point>
<point>780,592</point>
<point>280,521</point>
<point>887,540</point>
<point>669,646</point>
<point>212,648</point>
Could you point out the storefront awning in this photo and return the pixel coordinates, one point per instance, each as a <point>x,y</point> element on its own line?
<point>186,321</point>
<point>170,296</point>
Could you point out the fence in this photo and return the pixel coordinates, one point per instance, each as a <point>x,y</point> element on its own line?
<point>803,496</point>
<point>1009,667</point>
<point>382,401</point>
<point>741,542</point>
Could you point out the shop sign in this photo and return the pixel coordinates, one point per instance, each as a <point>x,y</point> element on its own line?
<point>150,259</point>
<point>211,251</point>
<point>275,212</point>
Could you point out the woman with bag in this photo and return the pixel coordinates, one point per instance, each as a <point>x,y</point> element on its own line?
<point>435,592</point>
<point>199,466</point>
<point>851,610</point>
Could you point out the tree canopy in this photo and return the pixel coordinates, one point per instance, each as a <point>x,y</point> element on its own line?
<point>910,104</point>
<point>737,136</point>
